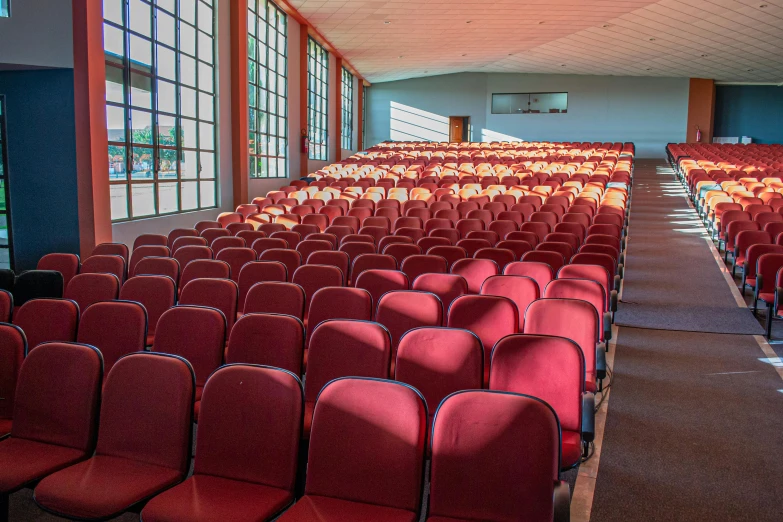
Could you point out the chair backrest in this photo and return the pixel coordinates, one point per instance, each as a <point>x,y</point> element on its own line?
<point>258,272</point>
<point>156,293</point>
<point>338,303</point>
<point>155,251</point>
<point>371,262</point>
<point>451,234</point>
<point>66,264</point>
<point>517,455</point>
<point>250,411</point>
<point>36,284</point>
<point>378,282</point>
<point>13,350</point>
<point>250,236</point>
<point>367,444</point>
<point>604,239</point>
<point>596,273</point>
<point>87,289</point>
<point>204,268</point>
<point>475,272</point>
<point>263,244</point>
<point>521,290</point>
<point>6,306</point>
<point>276,298</point>
<point>539,228</point>
<point>267,339</point>
<point>500,256</point>
<point>290,258</point>
<point>587,257</point>
<point>221,294</point>
<point>746,238</point>
<point>314,277</point>
<point>148,397</point>
<point>447,287</point>
<point>401,311</point>
<point>473,245</point>
<point>584,289</point>
<point>116,328</point>
<point>767,267</point>
<point>236,258</point>
<point>187,254</point>
<point>196,333</point>
<point>222,243</point>
<point>58,394</point>
<point>204,225</point>
<point>108,265</point>
<point>401,251</point>
<point>150,240</point>
<point>355,249</point>
<point>439,362</point>
<point>177,233</point>
<point>308,246</point>
<point>554,259</point>
<point>112,249</point>
<point>523,235</point>
<point>164,266</point>
<point>289,236</point>
<point>464,226</point>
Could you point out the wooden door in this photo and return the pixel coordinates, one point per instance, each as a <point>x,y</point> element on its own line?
<point>456,128</point>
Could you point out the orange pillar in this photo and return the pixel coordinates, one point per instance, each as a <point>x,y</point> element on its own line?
<point>89,74</point>
<point>303,96</point>
<point>337,141</point>
<point>701,109</point>
<point>360,119</point>
<point>240,134</point>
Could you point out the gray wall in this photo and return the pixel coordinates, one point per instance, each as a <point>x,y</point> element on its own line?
<point>38,33</point>
<point>650,112</point>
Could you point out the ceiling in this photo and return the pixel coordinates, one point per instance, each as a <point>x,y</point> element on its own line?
<point>727,40</point>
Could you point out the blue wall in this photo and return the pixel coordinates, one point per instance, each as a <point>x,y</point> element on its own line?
<point>41,163</point>
<point>749,110</point>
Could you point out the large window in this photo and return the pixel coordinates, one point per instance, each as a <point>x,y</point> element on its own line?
<point>268,96</point>
<point>530,103</point>
<point>5,8</point>
<point>363,144</point>
<point>6,256</point>
<point>317,99</point>
<point>347,111</point>
<point>160,106</point>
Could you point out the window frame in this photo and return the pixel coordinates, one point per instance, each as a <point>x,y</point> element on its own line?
<point>202,88</point>
<point>5,8</point>
<point>528,95</point>
<point>346,96</point>
<point>317,56</point>
<point>256,90</point>
<point>4,176</point>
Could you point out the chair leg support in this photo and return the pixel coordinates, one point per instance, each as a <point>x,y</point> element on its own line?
<point>4,505</point>
<point>769,322</point>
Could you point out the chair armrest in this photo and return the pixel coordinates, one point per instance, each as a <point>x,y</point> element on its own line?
<point>607,326</point>
<point>759,283</point>
<point>562,502</point>
<point>600,361</point>
<point>617,282</point>
<point>613,301</point>
<point>588,417</point>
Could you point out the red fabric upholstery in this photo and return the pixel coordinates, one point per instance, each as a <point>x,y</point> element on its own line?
<point>248,441</point>
<point>500,256</point>
<point>150,240</point>
<point>151,251</point>
<point>466,225</point>
<point>314,277</point>
<point>62,318</point>
<point>503,227</point>
<point>160,266</point>
<point>215,293</point>
<point>236,258</point>
<point>577,229</point>
<point>355,249</point>
<point>181,242</point>
<point>308,246</point>
<point>87,289</point>
<point>107,264</point>
<point>517,247</point>
<point>203,269</point>
<point>388,240</point>
<point>767,267</point>
<point>555,260</point>
<point>259,272</point>
<point>475,272</point>
<point>595,273</point>
<point>595,258</point>
<point>603,239</point>
<point>13,349</point>
<point>156,293</point>
<point>147,397</point>
<point>473,245</point>
<point>583,289</point>
<point>378,282</point>
<point>549,368</point>
<point>540,229</point>
<point>55,413</point>
<point>451,234</point>
<point>212,234</point>
<point>6,306</point>
<point>290,237</point>
<point>516,456</point>
<point>342,348</point>
<point>263,244</point>
<point>112,249</point>
<point>402,311</point>
<point>66,264</point>
<point>371,262</point>
<point>447,287</point>
<point>415,265</point>
<point>401,251</point>
<point>116,328</point>
<point>366,453</point>
<point>521,290</point>
<point>290,258</point>
<point>276,298</point>
<point>267,339</point>
<point>527,236</point>
<point>451,254</point>
<point>490,237</point>
<point>570,318</point>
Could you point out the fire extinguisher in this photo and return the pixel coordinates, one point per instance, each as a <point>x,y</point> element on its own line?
<point>698,134</point>
<point>305,142</point>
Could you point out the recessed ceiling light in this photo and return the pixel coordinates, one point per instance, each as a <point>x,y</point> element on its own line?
<point>703,55</point>
<point>387,22</point>
<point>511,54</point>
<point>464,55</point>
<point>606,25</point>
<point>750,70</point>
<point>469,21</point>
<point>652,39</point>
<point>562,65</point>
<point>541,23</point>
<point>648,69</point>
<point>762,6</point>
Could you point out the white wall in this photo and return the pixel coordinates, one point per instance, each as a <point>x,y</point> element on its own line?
<point>38,33</point>
<point>650,112</point>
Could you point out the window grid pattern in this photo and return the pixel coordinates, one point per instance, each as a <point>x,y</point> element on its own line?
<point>347,110</point>
<point>160,105</point>
<point>268,90</point>
<point>317,100</point>
<point>362,145</point>
<point>6,239</point>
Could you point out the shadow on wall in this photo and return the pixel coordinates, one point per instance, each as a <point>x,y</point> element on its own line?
<point>411,124</point>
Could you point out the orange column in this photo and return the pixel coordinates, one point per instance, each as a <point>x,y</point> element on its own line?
<point>701,109</point>
<point>360,119</point>
<point>337,141</point>
<point>240,135</point>
<point>89,73</point>
<point>303,96</point>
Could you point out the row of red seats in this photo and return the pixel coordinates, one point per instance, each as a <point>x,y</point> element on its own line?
<point>366,454</point>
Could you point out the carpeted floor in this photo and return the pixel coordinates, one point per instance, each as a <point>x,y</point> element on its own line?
<point>694,430</point>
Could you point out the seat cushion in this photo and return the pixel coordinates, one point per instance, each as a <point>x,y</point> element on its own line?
<point>313,508</point>
<point>571,452</point>
<point>204,497</point>
<point>5,426</point>
<point>102,486</point>
<point>590,385</point>
<point>767,297</point>
<point>23,461</point>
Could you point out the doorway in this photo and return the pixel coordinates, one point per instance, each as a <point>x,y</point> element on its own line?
<point>458,128</point>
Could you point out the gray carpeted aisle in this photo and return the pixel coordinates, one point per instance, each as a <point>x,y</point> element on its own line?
<point>694,429</point>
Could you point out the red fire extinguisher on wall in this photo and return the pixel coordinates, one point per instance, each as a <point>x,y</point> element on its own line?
<point>698,134</point>
<point>305,142</point>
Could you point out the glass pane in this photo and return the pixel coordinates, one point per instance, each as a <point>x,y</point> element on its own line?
<point>143,162</point>
<point>190,195</point>
<point>206,136</point>
<point>140,17</point>
<point>167,197</point>
<point>140,53</point>
<point>206,107</point>
<point>113,41</point>
<point>166,26</point>
<point>205,18</point>
<point>187,39</point>
<point>112,10</point>
<point>117,163</point>
<point>207,193</point>
<point>114,85</point>
<point>188,102</point>
<point>189,166</point>
<point>167,63</point>
<point>167,97</point>
<point>207,165</point>
<point>141,91</point>
<point>189,134</point>
<point>115,123</point>
<point>119,201</point>
<point>141,127</point>
<point>143,199</point>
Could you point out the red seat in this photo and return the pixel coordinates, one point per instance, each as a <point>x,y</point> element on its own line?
<point>212,234</point>
<point>500,256</point>
<point>447,287</point>
<point>196,333</point>
<point>202,269</point>
<point>414,233</point>
<point>575,320</point>
<point>146,397</point>
<point>596,273</point>
<point>220,294</point>
<point>235,228</point>
<point>222,243</point>
<point>415,265</point>
<point>267,339</point>
<point>523,235</point>
<point>554,259</point>
<point>178,233</point>
<point>489,317</point>
<point>378,282</point>
<point>108,265</point>
<point>743,241</point>
<point>66,264</point>
<point>451,234</point>
<point>585,290</point>
<point>112,249</point>
<point>257,272</point>
<point>388,240</point>
<point>475,272</point>
<point>604,239</point>
<point>503,227</point>
<point>289,236</point>
<point>314,277</point>
<point>236,258</point>
<point>338,303</point>
<point>263,244</point>
<point>471,246</point>
<point>464,226</point>
<point>401,311</point>
<point>58,393</point>
<point>204,225</point>
<point>87,289</point>
<point>752,255</point>
<point>271,297</point>
<point>290,258</point>
<point>355,249</point>
<point>13,350</point>
<point>116,328</point>
<point>565,249</point>
<point>517,455</point>
<point>334,258</point>
<point>308,246</point>
<point>248,442</point>
<point>343,348</point>
<point>366,459</point>
<point>185,255</point>
<point>451,254</point>
<point>156,293</point>
<point>371,262</point>
<point>490,237</point>
<point>520,289</point>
